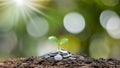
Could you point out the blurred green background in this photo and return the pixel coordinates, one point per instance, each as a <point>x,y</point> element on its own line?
<point>92,27</point>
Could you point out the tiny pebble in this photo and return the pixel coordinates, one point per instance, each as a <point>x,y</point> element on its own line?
<point>63,51</point>
<point>81,58</point>
<point>51,58</point>
<point>58,57</point>
<point>46,56</point>
<point>111,63</point>
<point>52,54</point>
<point>67,55</point>
<point>63,54</point>
<point>72,58</point>
<point>1,64</point>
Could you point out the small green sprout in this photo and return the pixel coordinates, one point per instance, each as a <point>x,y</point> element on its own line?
<point>59,42</point>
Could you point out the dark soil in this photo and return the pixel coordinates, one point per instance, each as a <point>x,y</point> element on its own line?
<point>68,61</point>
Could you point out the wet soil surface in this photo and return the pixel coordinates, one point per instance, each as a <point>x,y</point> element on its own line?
<point>62,59</point>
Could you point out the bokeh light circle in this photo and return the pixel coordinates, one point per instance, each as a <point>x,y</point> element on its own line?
<point>46,46</point>
<point>8,42</point>
<point>105,16</point>
<point>110,21</point>
<point>113,27</point>
<point>113,23</point>
<point>110,3</point>
<point>73,45</point>
<point>37,27</point>
<point>74,22</point>
<point>99,48</point>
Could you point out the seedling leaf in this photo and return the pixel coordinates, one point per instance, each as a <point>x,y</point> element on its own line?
<point>53,38</point>
<point>63,41</point>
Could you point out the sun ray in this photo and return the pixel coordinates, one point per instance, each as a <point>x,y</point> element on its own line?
<point>4,4</point>
<point>37,3</point>
<point>37,10</point>
<point>24,8</point>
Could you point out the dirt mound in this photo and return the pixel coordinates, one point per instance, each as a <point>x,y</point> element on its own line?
<point>62,59</point>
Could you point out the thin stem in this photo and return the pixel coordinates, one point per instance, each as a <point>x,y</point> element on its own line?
<point>59,48</point>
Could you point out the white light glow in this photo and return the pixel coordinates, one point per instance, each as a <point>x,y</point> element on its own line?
<point>74,23</point>
<point>19,2</point>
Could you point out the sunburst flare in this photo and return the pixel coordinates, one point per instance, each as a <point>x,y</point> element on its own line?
<point>22,8</point>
